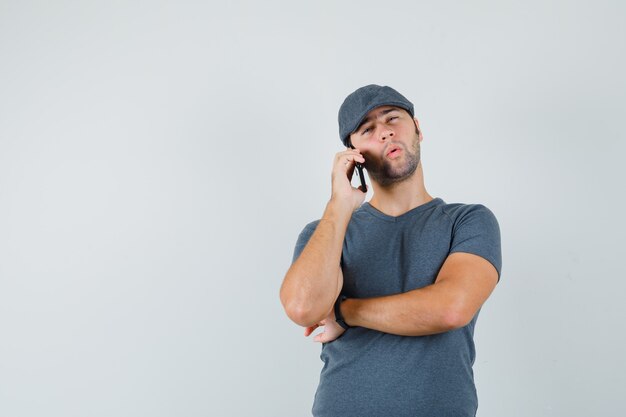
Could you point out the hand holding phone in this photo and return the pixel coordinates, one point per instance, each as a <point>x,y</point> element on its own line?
<point>359,170</point>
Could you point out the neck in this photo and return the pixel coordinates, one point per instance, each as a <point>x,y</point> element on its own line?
<point>396,199</point>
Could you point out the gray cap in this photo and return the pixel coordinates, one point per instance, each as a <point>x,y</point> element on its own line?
<point>356,106</point>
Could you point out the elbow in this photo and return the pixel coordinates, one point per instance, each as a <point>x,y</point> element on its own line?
<point>303,314</point>
<point>303,306</point>
<point>455,317</point>
<point>300,312</point>
<point>300,315</point>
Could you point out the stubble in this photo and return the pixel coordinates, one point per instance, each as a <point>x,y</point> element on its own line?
<point>386,172</point>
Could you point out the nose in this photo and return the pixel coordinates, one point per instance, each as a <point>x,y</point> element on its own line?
<point>385,133</point>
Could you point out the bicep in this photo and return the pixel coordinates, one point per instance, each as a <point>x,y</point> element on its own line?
<point>469,279</point>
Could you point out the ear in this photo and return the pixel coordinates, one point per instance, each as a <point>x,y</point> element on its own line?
<point>419,131</point>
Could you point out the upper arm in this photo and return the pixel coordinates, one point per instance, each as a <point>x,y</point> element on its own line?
<point>468,279</point>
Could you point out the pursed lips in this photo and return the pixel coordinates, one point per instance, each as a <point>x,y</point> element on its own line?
<point>391,149</point>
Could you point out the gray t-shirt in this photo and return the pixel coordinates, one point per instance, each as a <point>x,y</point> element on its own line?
<point>371,373</point>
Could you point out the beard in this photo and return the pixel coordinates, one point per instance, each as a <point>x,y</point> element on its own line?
<point>386,172</point>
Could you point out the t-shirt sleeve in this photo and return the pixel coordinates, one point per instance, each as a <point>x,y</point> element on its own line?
<point>476,231</point>
<point>303,239</point>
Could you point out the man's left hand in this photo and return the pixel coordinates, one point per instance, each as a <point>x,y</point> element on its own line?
<point>332,330</point>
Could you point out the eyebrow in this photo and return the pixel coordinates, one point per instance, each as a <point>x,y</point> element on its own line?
<point>369,118</point>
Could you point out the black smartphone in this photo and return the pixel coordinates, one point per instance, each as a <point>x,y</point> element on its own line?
<point>359,170</point>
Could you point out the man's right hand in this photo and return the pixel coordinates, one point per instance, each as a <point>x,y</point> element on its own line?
<point>343,169</point>
<point>332,330</point>
<point>314,280</point>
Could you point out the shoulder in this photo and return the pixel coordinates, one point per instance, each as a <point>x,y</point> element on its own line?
<point>359,214</point>
<point>311,226</point>
<point>475,230</point>
<point>303,238</point>
<point>461,211</point>
<point>307,231</point>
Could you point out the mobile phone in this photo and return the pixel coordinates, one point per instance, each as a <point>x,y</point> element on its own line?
<point>359,170</point>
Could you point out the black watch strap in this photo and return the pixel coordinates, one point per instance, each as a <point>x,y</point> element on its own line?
<point>338,317</point>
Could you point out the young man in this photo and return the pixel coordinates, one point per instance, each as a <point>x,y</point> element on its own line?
<point>397,282</point>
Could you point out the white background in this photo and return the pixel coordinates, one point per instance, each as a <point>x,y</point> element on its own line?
<point>158,160</point>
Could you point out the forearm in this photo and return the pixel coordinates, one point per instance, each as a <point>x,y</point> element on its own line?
<point>420,312</point>
<point>314,280</point>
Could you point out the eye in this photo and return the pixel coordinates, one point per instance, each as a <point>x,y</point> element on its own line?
<point>391,118</point>
<point>366,130</point>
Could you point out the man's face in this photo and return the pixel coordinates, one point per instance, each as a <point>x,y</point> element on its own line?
<point>389,141</point>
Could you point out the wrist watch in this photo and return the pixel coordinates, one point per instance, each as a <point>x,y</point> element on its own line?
<point>338,316</point>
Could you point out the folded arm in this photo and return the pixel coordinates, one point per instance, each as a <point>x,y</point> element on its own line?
<point>463,284</point>
<point>315,279</point>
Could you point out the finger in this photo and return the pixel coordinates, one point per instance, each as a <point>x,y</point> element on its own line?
<point>348,161</point>
<point>354,154</point>
<point>350,172</point>
<point>348,151</point>
<point>320,338</point>
<point>346,154</point>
